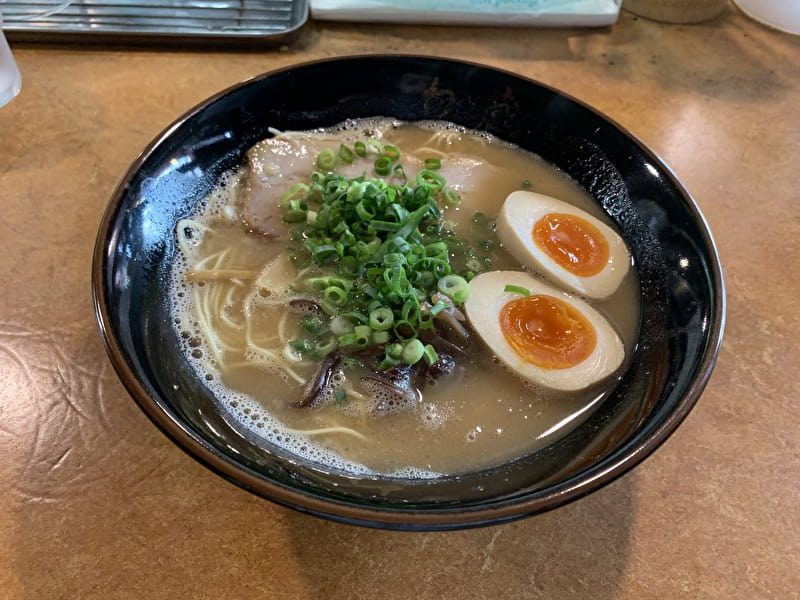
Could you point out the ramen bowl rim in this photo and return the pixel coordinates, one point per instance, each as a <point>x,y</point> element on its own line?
<point>433,518</point>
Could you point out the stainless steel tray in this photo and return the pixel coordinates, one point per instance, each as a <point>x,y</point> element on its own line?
<point>180,22</point>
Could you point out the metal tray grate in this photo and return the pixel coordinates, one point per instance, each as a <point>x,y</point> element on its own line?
<point>154,21</point>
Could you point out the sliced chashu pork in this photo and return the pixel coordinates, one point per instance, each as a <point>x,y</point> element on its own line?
<point>273,166</point>
<point>474,179</point>
<point>277,163</point>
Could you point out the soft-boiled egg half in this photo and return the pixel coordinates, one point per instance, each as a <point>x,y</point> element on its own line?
<point>541,333</point>
<point>564,243</point>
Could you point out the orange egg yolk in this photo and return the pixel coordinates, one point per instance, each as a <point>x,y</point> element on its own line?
<point>547,332</point>
<point>572,242</point>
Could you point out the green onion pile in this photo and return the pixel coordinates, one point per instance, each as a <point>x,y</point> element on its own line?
<point>382,250</point>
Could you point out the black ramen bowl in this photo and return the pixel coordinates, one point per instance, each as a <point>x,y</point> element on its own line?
<point>682,294</point>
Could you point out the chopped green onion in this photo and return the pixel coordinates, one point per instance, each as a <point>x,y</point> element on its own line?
<point>412,352</point>
<point>425,319</point>
<point>394,350</point>
<point>436,250</point>
<point>360,149</point>
<point>298,191</point>
<point>384,226</point>
<point>339,395</point>
<point>391,152</point>
<point>295,215</point>
<point>374,146</point>
<point>340,325</point>
<point>348,339</point>
<point>328,308</point>
<point>325,346</point>
<point>318,284</point>
<point>437,308</point>
<point>410,310</point>
<point>380,337</point>
<point>526,184</point>
<point>430,355</point>
<point>345,154</point>
<point>310,323</point>
<point>349,265</point>
<point>362,330</point>
<point>301,345</point>
<point>451,197</point>
<point>431,178</point>
<point>363,335</point>
<point>364,212</point>
<point>413,221</point>
<point>357,316</point>
<point>383,165</point>
<point>327,160</point>
<point>433,164</point>
<point>516,289</point>
<point>388,362</point>
<point>399,172</point>
<point>335,295</point>
<point>322,252</point>
<point>381,319</point>
<point>341,282</point>
<point>454,287</point>
<point>394,259</point>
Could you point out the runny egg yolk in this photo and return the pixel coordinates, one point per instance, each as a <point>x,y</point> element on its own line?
<point>547,331</point>
<point>572,242</point>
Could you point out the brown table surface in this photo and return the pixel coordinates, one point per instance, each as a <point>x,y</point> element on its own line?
<point>96,503</point>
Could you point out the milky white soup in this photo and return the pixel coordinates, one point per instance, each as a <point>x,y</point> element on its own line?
<point>235,292</point>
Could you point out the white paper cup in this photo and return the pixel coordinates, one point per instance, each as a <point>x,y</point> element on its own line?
<point>10,78</point>
<point>783,15</point>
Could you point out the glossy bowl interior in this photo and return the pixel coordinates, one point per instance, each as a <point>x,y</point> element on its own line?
<point>681,281</point>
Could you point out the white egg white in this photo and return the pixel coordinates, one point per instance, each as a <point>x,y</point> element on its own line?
<point>483,308</point>
<point>521,210</point>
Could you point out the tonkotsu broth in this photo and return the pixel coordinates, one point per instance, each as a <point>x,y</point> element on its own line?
<point>479,416</point>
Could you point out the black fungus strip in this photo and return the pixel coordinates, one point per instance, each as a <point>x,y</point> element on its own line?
<point>440,344</point>
<point>443,366</point>
<point>304,305</point>
<point>327,369</point>
<point>261,232</point>
<point>392,386</point>
<point>453,331</point>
